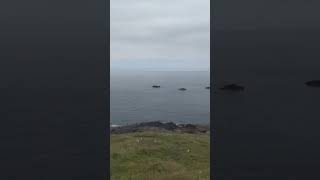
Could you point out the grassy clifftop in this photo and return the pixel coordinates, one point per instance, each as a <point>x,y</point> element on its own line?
<point>160,155</point>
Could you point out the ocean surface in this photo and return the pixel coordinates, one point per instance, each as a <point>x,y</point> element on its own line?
<point>133,100</point>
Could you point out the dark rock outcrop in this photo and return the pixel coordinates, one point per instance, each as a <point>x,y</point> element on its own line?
<point>156,125</point>
<point>208,87</point>
<point>232,87</point>
<point>143,126</point>
<point>182,89</point>
<point>156,86</point>
<point>313,83</point>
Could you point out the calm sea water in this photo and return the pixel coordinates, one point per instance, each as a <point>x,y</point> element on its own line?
<point>134,100</point>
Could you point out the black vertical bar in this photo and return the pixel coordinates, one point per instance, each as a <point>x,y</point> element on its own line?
<point>212,104</point>
<point>53,93</point>
<point>108,59</point>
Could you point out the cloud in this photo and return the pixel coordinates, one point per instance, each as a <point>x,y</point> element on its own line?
<point>158,32</point>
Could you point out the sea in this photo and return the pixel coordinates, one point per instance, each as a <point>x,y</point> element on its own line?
<point>134,100</point>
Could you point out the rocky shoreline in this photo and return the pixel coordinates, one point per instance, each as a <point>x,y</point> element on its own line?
<point>160,126</point>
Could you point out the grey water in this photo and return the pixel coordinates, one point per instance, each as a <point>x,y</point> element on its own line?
<point>133,100</point>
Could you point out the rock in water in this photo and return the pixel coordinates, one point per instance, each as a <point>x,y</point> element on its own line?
<point>182,89</point>
<point>232,87</point>
<point>208,87</point>
<point>313,83</point>
<point>156,86</point>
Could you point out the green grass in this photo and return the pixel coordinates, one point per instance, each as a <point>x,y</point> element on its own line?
<point>160,156</point>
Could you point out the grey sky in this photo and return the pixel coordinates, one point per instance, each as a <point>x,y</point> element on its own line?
<point>160,34</point>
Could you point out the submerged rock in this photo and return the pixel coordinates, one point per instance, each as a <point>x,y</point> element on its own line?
<point>182,89</point>
<point>232,87</point>
<point>313,83</point>
<point>156,86</point>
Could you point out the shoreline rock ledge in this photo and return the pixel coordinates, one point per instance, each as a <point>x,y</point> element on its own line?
<point>162,126</point>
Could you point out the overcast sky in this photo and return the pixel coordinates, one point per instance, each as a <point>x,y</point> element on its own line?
<point>160,35</point>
